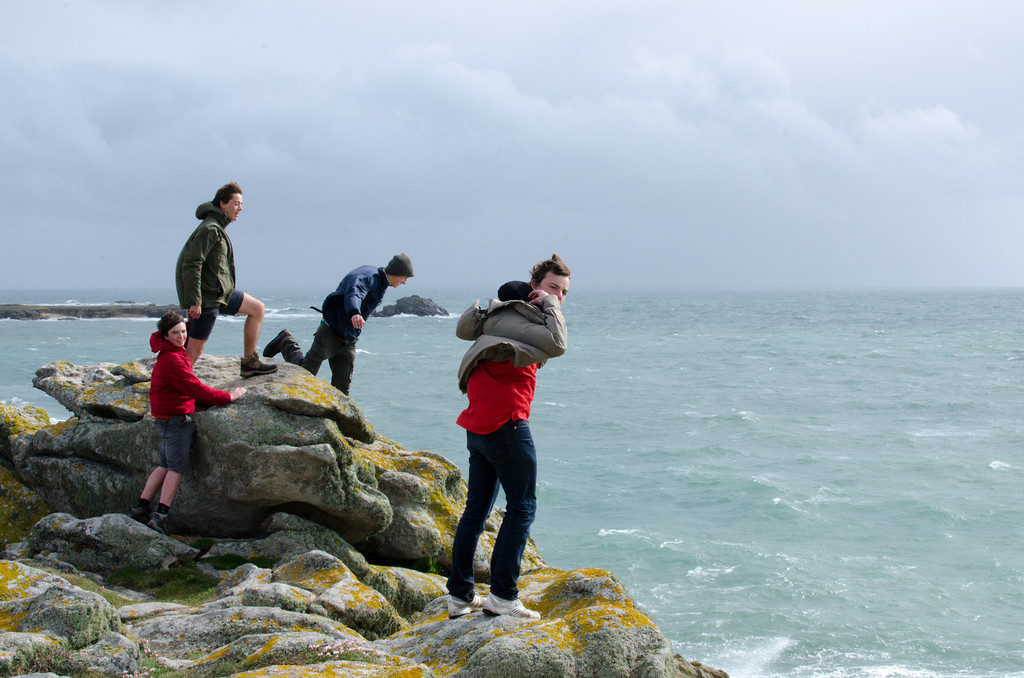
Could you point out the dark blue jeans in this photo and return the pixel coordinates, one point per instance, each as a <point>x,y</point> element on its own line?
<point>508,457</point>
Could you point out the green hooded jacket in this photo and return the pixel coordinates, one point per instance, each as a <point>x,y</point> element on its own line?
<point>205,273</point>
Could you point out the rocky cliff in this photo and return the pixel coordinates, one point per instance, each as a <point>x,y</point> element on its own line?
<point>292,476</point>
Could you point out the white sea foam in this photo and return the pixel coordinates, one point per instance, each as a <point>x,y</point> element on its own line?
<point>756,661</point>
<point>999,465</point>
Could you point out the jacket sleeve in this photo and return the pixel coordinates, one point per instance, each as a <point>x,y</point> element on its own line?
<point>354,296</point>
<point>182,378</point>
<point>193,256</point>
<point>471,322</point>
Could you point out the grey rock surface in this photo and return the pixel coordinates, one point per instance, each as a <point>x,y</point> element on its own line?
<point>107,542</point>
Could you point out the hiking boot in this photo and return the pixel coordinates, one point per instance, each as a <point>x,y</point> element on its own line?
<point>497,607</point>
<point>157,522</point>
<point>253,366</point>
<point>277,343</point>
<point>140,513</point>
<point>457,607</point>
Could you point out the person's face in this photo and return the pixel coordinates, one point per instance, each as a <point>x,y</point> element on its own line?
<point>553,283</point>
<point>397,280</point>
<point>232,207</point>
<point>177,335</point>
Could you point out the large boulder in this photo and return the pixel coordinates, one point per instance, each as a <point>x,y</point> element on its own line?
<point>589,627</point>
<point>42,614</point>
<point>106,543</point>
<point>286,444</point>
<point>293,445</point>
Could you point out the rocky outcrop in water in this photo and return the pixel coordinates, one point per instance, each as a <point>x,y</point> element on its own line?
<point>411,305</point>
<point>127,309</point>
<point>293,477</point>
<point>293,444</point>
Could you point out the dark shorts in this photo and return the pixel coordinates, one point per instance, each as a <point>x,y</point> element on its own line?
<point>175,442</point>
<point>202,327</point>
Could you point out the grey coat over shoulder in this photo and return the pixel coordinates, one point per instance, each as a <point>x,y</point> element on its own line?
<point>511,330</point>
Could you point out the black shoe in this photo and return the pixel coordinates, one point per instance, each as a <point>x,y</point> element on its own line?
<point>156,522</point>
<point>275,345</point>
<point>253,366</point>
<point>140,513</point>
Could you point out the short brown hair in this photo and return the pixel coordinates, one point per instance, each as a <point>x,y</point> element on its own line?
<point>225,193</point>
<point>169,320</point>
<point>553,265</point>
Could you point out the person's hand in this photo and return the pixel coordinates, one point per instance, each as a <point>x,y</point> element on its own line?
<point>537,296</point>
<point>194,311</point>
<point>236,393</point>
<point>358,321</point>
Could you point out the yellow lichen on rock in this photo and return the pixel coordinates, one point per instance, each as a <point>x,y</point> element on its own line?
<point>124,402</point>
<point>135,372</point>
<point>339,669</point>
<point>316,581</point>
<point>21,506</point>
<point>16,580</point>
<point>18,420</point>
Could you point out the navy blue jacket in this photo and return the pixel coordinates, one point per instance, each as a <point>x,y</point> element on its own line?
<point>360,292</point>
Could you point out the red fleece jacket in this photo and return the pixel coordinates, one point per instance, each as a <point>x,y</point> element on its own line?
<point>174,388</point>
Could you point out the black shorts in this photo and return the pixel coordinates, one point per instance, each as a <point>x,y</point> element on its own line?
<point>202,327</point>
<point>175,442</point>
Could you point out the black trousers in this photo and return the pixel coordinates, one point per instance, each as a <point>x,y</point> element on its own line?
<point>338,351</point>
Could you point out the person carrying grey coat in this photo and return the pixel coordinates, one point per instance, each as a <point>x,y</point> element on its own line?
<point>511,340</point>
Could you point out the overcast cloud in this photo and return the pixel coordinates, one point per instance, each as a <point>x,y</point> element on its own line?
<point>651,143</point>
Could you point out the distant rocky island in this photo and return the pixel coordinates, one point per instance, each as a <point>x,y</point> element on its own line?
<point>414,305</point>
<point>120,309</point>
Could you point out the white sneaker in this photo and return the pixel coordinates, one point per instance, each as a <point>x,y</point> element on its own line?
<point>457,607</point>
<point>496,607</point>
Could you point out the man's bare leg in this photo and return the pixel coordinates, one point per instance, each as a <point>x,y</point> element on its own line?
<point>194,349</point>
<point>253,309</point>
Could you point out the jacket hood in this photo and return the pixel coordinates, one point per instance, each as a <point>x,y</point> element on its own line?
<point>208,209</point>
<point>157,343</point>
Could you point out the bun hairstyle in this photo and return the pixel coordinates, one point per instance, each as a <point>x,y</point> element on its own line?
<point>169,320</point>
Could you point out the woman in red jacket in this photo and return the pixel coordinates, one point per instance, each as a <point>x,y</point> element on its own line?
<point>173,393</point>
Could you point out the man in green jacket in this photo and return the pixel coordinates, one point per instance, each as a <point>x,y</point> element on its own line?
<point>205,280</point>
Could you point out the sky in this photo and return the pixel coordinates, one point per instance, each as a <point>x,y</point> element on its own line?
<point>745,144</point>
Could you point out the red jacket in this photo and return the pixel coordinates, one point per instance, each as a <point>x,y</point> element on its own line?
<point>175,388</point>
<point>497,393</point>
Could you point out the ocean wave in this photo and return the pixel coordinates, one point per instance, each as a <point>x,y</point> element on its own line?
<point>758,659</point>
<point>708,574</point>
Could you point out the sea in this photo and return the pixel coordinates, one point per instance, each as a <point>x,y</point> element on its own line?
<point>793,483</point>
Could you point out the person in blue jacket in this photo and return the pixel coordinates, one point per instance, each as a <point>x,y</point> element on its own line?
<point>345,311</point>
